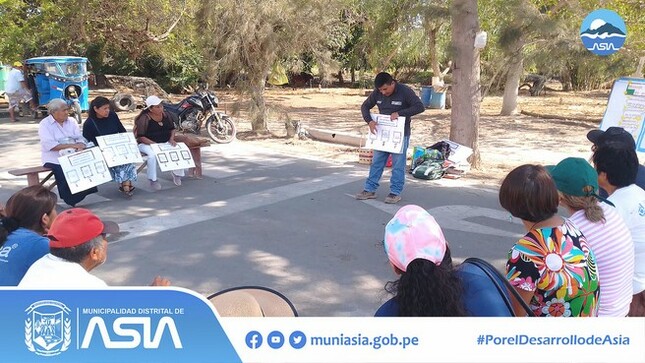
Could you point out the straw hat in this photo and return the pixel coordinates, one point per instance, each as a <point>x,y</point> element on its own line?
<point>252,301</point>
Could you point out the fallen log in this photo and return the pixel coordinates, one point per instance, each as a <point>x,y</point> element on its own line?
<point>557,117</point>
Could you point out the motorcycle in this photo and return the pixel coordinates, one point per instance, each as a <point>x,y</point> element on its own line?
<point>198,108</point>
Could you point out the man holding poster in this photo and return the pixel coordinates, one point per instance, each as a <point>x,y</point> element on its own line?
<point>396,100</point>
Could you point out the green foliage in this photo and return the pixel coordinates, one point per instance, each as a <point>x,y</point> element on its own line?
<point>132,37</point>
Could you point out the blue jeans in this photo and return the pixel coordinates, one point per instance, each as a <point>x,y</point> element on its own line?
<point>379,159</point>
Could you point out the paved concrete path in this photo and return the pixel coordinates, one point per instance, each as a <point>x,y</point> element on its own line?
<point>259,218</point>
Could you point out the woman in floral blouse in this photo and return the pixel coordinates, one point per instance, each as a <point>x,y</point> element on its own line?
<point>552,266</point>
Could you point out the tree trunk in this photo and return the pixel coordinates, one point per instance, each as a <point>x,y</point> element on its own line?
<point>466,92</point>
<point>515,68</point>
<point>341,81</point>
<point>258,106</point>
<point>353,73</point>
<point>432,47</point>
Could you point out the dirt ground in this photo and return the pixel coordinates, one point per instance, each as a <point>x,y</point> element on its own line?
<point>504,141</point>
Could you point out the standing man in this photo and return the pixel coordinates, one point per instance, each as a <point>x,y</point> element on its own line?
<point>394,99</point>
<point>16,89</point>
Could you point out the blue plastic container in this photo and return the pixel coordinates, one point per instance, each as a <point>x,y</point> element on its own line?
<point>426,95</point>
<point>438,100</point>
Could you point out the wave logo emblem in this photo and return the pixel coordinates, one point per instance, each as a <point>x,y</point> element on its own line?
<point>48,328</point>
<point>603,32</point>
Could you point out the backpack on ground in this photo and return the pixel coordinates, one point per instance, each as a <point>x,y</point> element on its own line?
<point>443,147</point>
<point>427,163</point>
<point>429,170</point>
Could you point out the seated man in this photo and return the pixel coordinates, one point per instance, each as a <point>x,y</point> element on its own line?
<point>620,136</point>
<point>617,166</point>
<point>77,246</point>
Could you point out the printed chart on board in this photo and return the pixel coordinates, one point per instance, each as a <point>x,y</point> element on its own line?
<point>626,109</point>
<point>173,157</point>
<point>389,134</point>
<point>85,169</point>
<point>119,149</point>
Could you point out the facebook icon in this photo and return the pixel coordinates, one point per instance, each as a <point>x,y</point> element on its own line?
<point>253,339</point>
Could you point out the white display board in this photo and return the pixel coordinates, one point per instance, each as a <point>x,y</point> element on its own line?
<point>626,109</point>
<point>85,169</point>
<point>459,154</point>
<point>173,157</point>
<point>119,149</point>
<point>389,134</point>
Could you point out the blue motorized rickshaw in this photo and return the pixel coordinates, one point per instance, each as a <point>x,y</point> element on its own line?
<point>59,77</point>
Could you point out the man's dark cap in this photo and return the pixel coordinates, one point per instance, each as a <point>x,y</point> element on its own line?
<point>612,134</point>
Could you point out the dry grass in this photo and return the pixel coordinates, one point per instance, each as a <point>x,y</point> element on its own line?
<point>505,141</point>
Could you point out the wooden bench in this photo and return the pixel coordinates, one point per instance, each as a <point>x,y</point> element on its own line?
<point>33,177</point>
<point>33,173</point>
<point>143,165</point>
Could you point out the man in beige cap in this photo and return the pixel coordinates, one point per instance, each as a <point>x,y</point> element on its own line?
<point>16,89</point>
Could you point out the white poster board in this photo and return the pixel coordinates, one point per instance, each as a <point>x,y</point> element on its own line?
<point>85,169</point>
<point>626,109</point>
<point>119,149</point>
<point>459,154</point>
<point>389,134</point>
<point>173,157</point>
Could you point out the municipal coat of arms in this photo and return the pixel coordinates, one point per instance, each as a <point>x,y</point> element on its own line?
<point>48,328</point>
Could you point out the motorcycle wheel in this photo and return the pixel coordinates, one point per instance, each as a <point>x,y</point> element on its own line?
<point>222,132</point>
<point>77,113</point>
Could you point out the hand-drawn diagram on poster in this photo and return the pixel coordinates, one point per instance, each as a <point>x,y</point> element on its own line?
<point>173,157</point>
<point>626,109</point>
<point>85,169</point>
<point>119,149</point>
<point>389,134</point>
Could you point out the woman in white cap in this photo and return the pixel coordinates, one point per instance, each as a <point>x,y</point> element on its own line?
<point>418,252</point>
<point>151,126</point>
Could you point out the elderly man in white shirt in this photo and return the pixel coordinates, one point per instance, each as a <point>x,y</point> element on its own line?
<point>57,132</point>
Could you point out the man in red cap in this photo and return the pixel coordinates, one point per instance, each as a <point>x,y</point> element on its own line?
<point>77,246</point>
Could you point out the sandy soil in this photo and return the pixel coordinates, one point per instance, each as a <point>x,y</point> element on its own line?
<point>504,141</point>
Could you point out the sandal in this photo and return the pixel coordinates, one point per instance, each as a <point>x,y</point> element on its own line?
<point>129,191</point>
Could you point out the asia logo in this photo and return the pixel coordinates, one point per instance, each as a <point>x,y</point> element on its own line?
<point>48,328</point>
<point>603,32</point>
